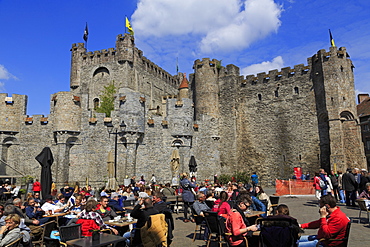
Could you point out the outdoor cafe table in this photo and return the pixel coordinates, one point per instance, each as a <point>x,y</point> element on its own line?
<point>55,215</point>
<point>253,213</point>
<point>105,239</point>
<point>120,223</point>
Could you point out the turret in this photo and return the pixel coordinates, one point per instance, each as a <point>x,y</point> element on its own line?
<point>125,46</point>
<point>184,88</point>
<point>206,88</point>
<point>76,62</point>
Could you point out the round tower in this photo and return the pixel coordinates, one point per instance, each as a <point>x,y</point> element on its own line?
<point>76,62</point>
<point>66,110</point>
<point>184,88</point>
<point>125,46</point>
<point>206,88</point>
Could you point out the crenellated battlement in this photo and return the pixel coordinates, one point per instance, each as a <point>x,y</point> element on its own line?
<point>206,62</point>
<point>334,52</point>
<point>275,75</point>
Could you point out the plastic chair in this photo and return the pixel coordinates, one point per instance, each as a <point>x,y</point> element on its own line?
<point>216,225</point>
<point>345,239</point>
<point>362,205</point>
<point>277,232</point>
<point>200,224</point>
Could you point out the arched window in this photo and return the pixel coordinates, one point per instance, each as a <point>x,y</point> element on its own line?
<point>277,92</point>
<point>259,96</point>
<point>101,70</point>
<point>96,103</point>
<point>296,90</point>
<point>346,115</point>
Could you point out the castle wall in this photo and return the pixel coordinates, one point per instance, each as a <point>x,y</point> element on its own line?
<point>268,123</point>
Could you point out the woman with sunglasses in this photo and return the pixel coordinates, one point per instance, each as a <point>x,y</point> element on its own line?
<point>10,232</point>
<point>237,224</point>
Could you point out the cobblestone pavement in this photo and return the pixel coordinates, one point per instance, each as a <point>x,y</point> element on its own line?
<point>303,208</point>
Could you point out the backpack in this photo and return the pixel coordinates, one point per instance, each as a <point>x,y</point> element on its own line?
<point>322,183</point>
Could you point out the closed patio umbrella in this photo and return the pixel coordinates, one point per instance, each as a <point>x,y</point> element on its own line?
<point>45,158</point>
<point>112,183</point>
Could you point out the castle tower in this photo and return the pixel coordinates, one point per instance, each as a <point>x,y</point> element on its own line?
<point>184,88</point>
<point>125,46</point>
<point>206,88</point>
<point>76,62</point>
<point>340,138</point>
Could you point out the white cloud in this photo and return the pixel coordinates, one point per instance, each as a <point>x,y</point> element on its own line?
<point>266,66</point>
<point>5,75</point>
<point>2,88</point>
<point>215,25</point>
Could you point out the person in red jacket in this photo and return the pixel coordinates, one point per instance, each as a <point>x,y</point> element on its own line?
<point>36,187</point>
<point>332,224</point>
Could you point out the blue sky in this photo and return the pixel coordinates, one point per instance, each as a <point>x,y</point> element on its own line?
<point>255,35</point>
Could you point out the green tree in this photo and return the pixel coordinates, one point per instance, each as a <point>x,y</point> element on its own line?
<point>107,100</point>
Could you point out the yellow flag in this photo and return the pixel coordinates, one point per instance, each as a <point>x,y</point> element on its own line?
<point>129,28</point>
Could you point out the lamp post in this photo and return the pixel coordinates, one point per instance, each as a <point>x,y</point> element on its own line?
<point>112,130</point>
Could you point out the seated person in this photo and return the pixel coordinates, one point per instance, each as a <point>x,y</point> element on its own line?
<point>19,208</point>
<point>34,212</point>
<point>114,202</point>
<point>10,231</point>
<point>142,216</point>
<point>158,202</point>
<point>282,212</point>
<point>77,207</point>
<point>237,224</point>
<point>89,213</point>
<point>167,190</point>
<point>332,223</point>
<point>200,205</point>
<point>37,199</point>
<point>62,203</point>
<point>365,194</point>
<point>104,210</point>
<point>222,207</point>
<point>49,206</point>
<point>261,195</point>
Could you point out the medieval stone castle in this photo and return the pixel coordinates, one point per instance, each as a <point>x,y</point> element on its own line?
<point>270,123</point>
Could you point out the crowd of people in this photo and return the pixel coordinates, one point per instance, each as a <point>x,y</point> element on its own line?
<point>346,188</point>
<point>230,201</point>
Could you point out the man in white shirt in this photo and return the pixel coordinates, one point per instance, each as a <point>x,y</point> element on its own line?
<point>49,207</point>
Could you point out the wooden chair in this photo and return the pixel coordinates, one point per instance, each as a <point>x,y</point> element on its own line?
<point>46,230</point>
<point>274,203</point>
<point>179,202</point>
<point>345,239</point>
<point>200,224</point>
<point>362,205</point>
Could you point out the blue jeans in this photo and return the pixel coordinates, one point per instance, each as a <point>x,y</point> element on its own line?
<point>308,241</point>
<point>341,196</point>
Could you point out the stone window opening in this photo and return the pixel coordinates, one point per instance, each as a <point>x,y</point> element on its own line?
<point>300,157</point>
<point>341,69</point>
<point>96,103</point>
<point>296,90</point>
<point>259,96</point>
<point>277,92</point>
<point>284,158</point>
